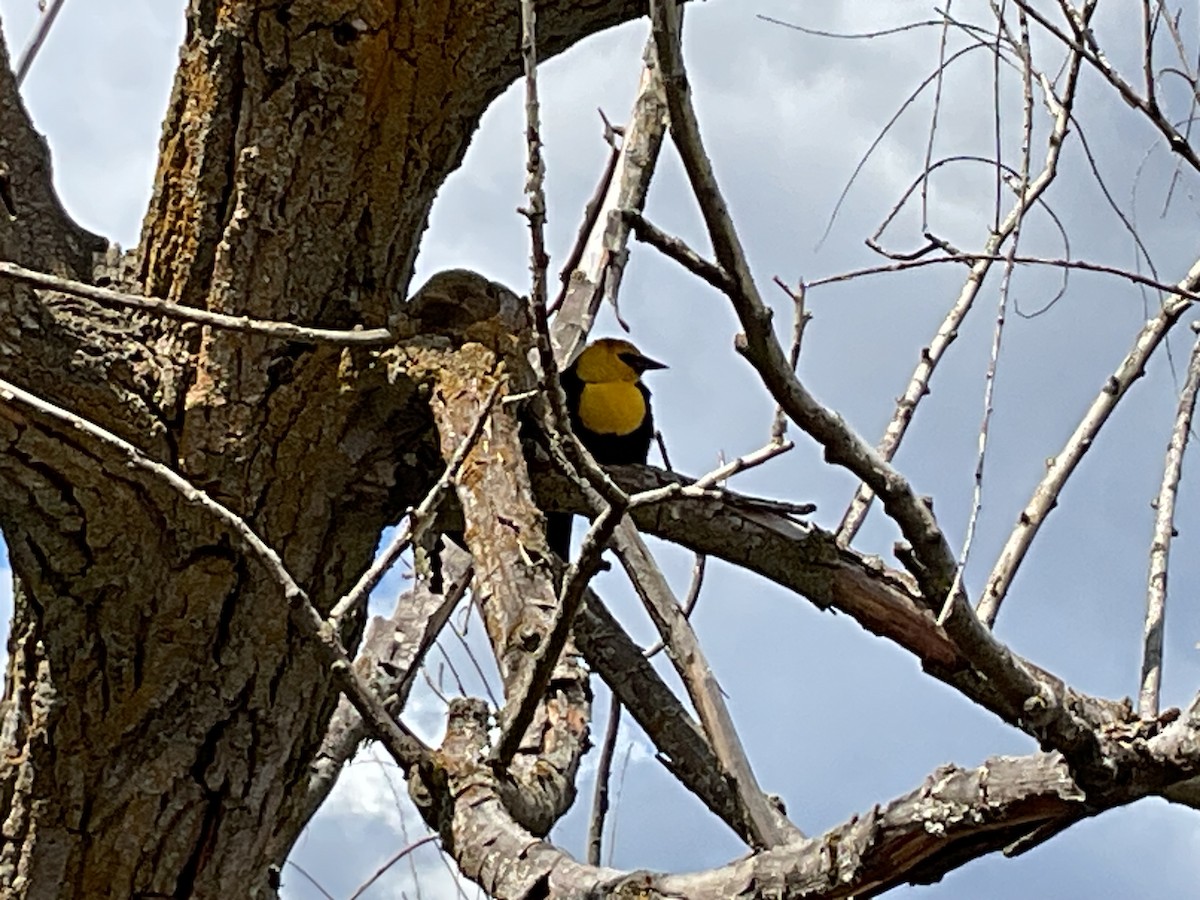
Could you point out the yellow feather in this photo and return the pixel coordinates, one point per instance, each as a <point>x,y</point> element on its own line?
<point>611,407</point>
<point>601,362</point>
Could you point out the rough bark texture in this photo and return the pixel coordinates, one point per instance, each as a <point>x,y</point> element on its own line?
<point>161,714</point>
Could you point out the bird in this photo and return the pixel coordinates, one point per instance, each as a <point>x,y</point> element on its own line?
<point>610,413</point>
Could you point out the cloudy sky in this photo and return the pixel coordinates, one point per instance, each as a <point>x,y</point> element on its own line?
<point>834,719</point>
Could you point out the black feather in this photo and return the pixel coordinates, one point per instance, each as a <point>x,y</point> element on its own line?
<point>609,450</point>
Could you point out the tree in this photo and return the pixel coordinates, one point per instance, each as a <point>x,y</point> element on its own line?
<point>194,486</point>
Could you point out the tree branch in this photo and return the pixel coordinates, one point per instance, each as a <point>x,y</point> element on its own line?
<point>1160,547</point>
<point>955,816</point>
<point>286,331</point>
<point>1062,465</point>
<point>1029,193</point>
<point>769,827</point>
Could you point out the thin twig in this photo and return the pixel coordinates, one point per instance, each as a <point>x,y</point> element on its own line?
<point>1148,22</point>
<point>436,687</point>
<point>392,860</point>
<point>701,486</point>
<point>947,332</point>
<point>869,35</point>
<point>1160,547</point>
<point>39,37</point>
<point>1193,80</point>
<point>448,663</point>
<point>800,319</point>
<point>689,601</point>
<point>674,248</point>
<point>595,837</point>
<point>400,814</point>
<point>461,635</point>
<point>591,215</point>
<point>311,880</point>
<point>963,257</point>
<point>612,835</point>
<point>1001,311</point>
<point>937,108</point>
<point>860,166</point>
<point>285,331</point>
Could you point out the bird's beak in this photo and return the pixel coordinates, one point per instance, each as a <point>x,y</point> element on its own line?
<point>640,363</point>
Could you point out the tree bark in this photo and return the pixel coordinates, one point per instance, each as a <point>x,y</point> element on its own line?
<point>160,713</point>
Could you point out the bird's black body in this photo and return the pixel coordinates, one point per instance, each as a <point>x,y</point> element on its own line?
<point>609,449</point>
<point>610,414</point>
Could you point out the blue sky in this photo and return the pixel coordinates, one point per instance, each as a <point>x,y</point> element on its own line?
<point>834,719</point>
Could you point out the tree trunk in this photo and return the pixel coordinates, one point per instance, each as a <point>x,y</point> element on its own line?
<point>161,713</point>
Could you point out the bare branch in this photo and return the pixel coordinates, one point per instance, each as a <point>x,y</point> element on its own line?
<point>674,248</point>
<point>759,344</point>
<point>916,837</point>
<point>286,331</point>
<point>1002,302</point>
<point>705,483</point>
<point>29,54</point>
<point>770,828</point>
<point>800,319</point>
<point>1160,548</point>
<point>1045,495</point>
<point>591,215</point>
<point>595,836</point>
<point>391,861</point>
<point>1083,44</point>
<point>1029,194</point>
<point>602,259</point>
<point>689,602</point>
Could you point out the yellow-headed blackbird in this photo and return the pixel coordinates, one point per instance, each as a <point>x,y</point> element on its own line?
<point>610,413</point>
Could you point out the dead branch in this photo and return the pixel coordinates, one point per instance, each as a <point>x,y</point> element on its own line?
<point>514,580</point>
<point>1030,192</point>
<point>770,827</point>
<point>285,331</point>
<point>1045,495</point>
<point>956,814</point>
<point>605,248</point>
<point>1160,547</point>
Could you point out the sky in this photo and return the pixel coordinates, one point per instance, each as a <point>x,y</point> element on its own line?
<point>834,719</point>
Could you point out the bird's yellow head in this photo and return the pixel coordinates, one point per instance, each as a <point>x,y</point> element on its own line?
<point>612,359</point>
